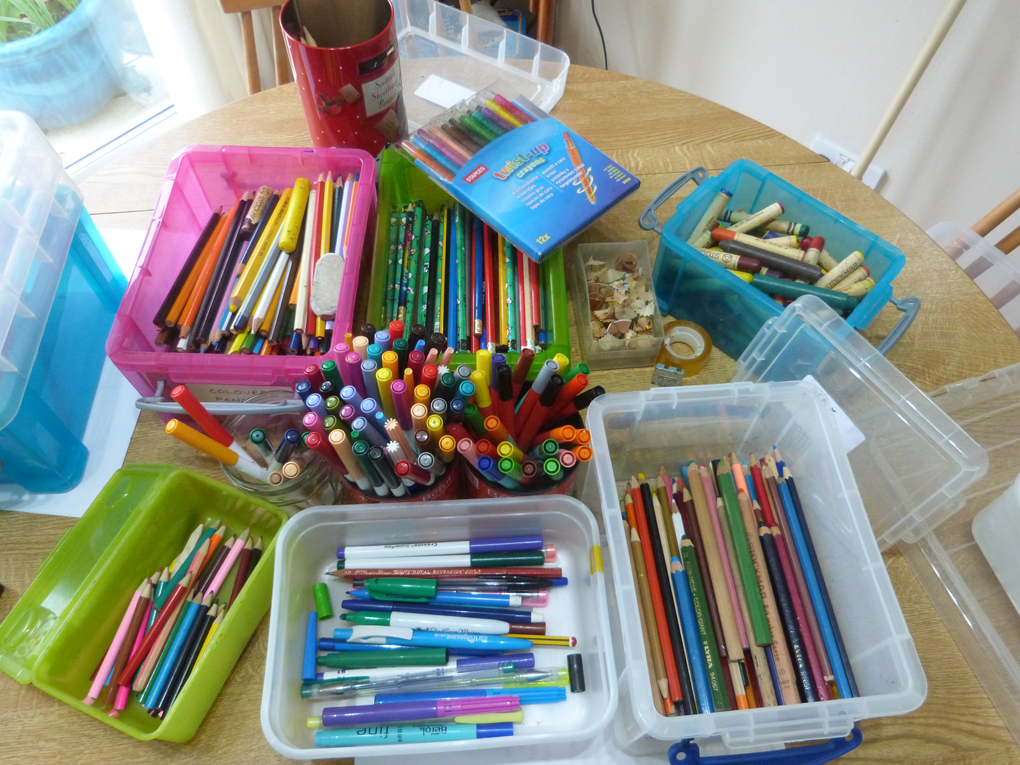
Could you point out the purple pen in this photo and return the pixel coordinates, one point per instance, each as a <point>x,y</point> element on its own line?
<point>519,662</point>
<point>336,717</point>
<point>414,549</point>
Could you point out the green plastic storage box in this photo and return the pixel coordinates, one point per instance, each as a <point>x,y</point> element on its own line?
<point>58,632</point>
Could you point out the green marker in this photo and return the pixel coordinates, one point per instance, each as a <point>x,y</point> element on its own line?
<point>412,657</point>
<point>331,373</point>
<point>475,421</point>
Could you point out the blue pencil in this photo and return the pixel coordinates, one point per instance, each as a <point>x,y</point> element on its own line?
<point>692,639</point>
<point>171,655</point>
<point>479,255</point>
<point>821,612</point>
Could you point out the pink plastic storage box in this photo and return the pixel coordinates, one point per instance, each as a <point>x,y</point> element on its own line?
<point>200,179</point>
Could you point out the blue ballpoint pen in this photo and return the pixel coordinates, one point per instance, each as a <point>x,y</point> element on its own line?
<point>427,639</point>
<point>461,598</point>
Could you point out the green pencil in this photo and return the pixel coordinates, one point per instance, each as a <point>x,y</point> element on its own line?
<point>427,253</point>
<point>402,258</point>
<point>440,296</point>
<point>391,270</point>
<point>463,282</point>
<point>755,606</point>
<point>413,265</point>
<point>511,296</point>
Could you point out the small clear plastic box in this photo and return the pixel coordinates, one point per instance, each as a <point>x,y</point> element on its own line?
<point>307,548</point>
<point>639,351</point>
<point>437,39</point>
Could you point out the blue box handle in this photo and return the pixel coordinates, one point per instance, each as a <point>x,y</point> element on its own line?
<point>816,754</point>
<point>648,220</point>
<point>909,306</point>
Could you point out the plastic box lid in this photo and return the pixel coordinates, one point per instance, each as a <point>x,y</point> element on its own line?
<point>968,564</point>
<point>39,210</point>
<point>437,39</point>
<point>912,462</point>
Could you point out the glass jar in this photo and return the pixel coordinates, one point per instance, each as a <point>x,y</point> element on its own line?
<point>317,483</point>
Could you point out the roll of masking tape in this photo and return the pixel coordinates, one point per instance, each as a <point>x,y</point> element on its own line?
<point>690,334</point>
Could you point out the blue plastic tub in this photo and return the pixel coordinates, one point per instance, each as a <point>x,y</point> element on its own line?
<point>65,74</point>
<point>41,448</point>
<point>690,286</point>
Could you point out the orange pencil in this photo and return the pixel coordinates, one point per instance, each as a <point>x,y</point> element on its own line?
<point>189,285</point>
<point>205,275</point>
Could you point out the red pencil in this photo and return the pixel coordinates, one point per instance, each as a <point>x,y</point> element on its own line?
<point>491,328</point>
<point>316,234</point>
<point>152,635</point>
<point>524,330</point>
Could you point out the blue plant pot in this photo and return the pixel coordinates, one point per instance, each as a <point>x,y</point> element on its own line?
<point>65,74</point>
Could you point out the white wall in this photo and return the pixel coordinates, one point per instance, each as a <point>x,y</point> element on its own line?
<point>806,67</point>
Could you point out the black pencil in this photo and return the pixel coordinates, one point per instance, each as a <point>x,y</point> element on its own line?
<point>669,602</point>
<point>186,658</point>
<point>211,299</point>
<point>182,276</point>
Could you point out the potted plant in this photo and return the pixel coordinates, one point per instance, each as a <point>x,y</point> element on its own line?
<point>60,60</point>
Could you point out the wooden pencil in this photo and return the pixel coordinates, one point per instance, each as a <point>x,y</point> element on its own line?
<point>242,571</point>
<point>818,659</point>
<point>689,517</point>
<point>645,599</point>
<point>730,633</point>
<point>181,303</point>
<point>270,235</point>
<point>665,582</point>
<point>651,572</point>
<point>224,264</point>
<point>844,656</point>
<point>189,266</point>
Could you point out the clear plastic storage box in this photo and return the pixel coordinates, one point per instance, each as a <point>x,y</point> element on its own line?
<point>885,464</point>
<point>59,291</point>
<point>307,547</point>
<point>439,40</point>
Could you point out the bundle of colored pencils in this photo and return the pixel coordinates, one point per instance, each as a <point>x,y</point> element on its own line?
<point>246,285</point>
<point>393,421</point>
<point>449,272</point>
<point>735,610</point>
<point>171,620</point>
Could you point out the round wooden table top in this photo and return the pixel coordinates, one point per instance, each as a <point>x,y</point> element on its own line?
<point>657,133</point>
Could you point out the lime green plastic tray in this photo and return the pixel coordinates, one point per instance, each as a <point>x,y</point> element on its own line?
<point>58,632</point>
<point>400,182</point>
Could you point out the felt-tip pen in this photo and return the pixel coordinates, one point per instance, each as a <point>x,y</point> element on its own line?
<point>430,622</point>
<point>406,734</point>
<point>413,550</point>
<point>470,560</point>
<point>427,639</point>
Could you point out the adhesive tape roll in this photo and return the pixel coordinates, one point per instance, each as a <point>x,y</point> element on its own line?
<point>678,331</point>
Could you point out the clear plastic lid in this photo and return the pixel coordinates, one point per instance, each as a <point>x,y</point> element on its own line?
<point>446,56</point>
<point>912,462</point>
<point>39,210</point>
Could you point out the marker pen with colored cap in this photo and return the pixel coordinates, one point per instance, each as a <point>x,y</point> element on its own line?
<point>427,639</point>
<point>430,622</point>
<point>408,734</point>
<point>482,599</point>
<point>495,544</point>
<point>406,711</point>
<point>514,616</point>
<point>524,695</point>
<point>472,560</point>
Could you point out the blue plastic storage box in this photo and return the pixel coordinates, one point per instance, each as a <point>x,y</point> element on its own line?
<point>690,286</point>
<point>59,291</point>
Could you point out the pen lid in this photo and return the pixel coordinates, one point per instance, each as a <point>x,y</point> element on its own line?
<point>400,588</point>
<point>367,617</point>
<point>494,730</point>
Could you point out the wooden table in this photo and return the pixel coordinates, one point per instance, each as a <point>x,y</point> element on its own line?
<point>657,133</point>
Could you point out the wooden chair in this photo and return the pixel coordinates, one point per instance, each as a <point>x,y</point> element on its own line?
<point>251,61</point>
<point>544,9</point>
<point>1003,210</point>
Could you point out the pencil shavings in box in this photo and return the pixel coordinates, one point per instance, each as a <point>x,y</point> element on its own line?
<point>621,303</point>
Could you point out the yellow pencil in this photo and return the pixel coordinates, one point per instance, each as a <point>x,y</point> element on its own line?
<point>215,626</point>
<point>238,342</point>
<point>350,216</point>
<point>305,269</point>
<point>552,640</point>
<point>251,269</point>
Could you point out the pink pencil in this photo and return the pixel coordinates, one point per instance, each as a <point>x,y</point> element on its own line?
<point>228,563</point>
<point>113,650</point>
<point>125,690</point>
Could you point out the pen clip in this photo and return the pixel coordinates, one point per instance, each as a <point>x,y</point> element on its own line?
<point>368,633</point>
